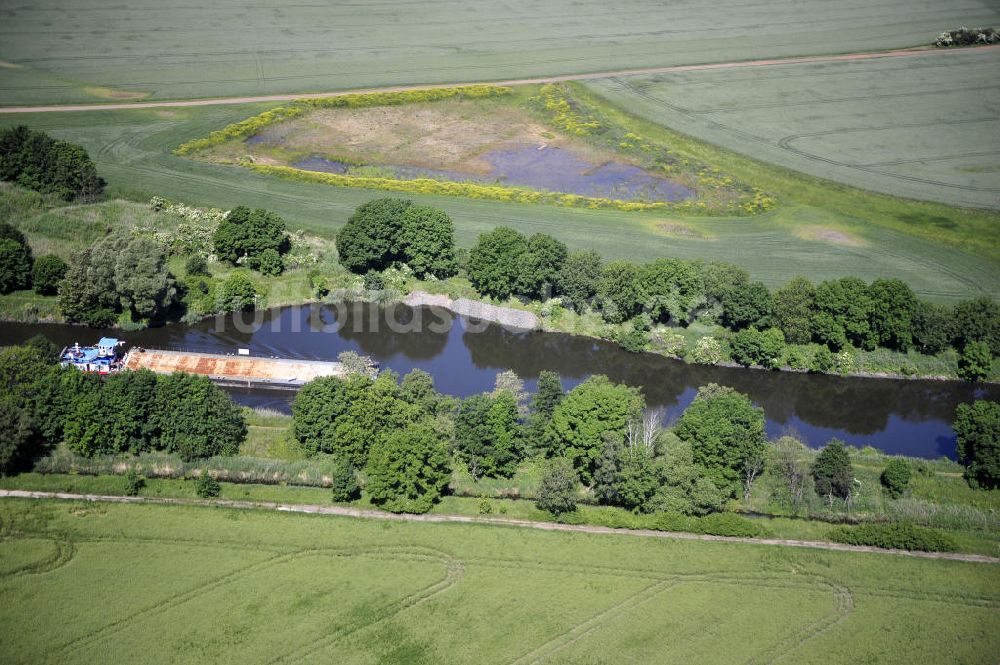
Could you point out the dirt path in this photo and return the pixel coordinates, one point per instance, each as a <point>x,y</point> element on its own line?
<point>901,53</point>
<point>343,511</point>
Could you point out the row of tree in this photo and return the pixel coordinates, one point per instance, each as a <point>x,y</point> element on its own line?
<point>20,270</point>
<point>42,404</point>
<point>37,161</point>
<point>837,313</point>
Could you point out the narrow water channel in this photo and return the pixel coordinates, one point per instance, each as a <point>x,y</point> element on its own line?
<point>898,416</point>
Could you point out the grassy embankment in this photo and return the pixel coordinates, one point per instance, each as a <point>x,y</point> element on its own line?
<point>271,466</point>
<point>54,228</point>
<point>101,582</point>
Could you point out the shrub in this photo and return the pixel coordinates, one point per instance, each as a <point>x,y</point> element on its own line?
<point>133,482</point>
<point>238,294</point>
<point>896,477</point>
<point>196,265</point>
<point>895,536</point>
<point>707,351</point>
<point>832,472</point>
<point>823,361</point>
<point>976,361</point>
<point>246,233</point>
<point>270,263</point>
<point>755,347</point>
<point>557,487</point>
<point>344,483</point>
<point>206,486</point>
<point>48,271</point>
<point>373,281</point>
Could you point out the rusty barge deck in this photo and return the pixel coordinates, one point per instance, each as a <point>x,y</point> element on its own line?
<point>245,371</point>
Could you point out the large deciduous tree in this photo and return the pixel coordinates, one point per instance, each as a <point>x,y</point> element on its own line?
<point>727,437</point>
<point>371,239</point>
<point>793,310</point>
<point>747,305</point>
<point>539,266</point>
<point>427,241</point>
<point>978,428</point>
<point>494,262</point>
<point>408,470</point>
<point>619,291</point>
<point>249,233</point>
<point>595,408</point>
<point>832,472</point>
<point>578,278</point>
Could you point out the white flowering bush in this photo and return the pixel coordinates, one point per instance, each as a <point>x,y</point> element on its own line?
<point>707,351</point>
<point>551,307</point>
<point>845,362</point>
<point>195,231</point>
<point>396,277</point>
<point>671,343</point>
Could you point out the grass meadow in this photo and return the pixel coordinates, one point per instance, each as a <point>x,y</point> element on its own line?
<point>104,583</point>
<point>945,260</point>
<point>892,125</point>
<point>95,51</point>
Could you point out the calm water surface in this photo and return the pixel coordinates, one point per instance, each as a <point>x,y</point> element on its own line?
<point>898,416</point>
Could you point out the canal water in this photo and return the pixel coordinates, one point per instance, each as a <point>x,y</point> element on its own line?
<point>898,416</point>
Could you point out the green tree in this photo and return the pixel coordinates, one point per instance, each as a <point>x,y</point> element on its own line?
<point>578,278</point>
<point>721,278</point>
<point>585,415</point>
<point>17,438</point>
<point>427,241</point>
<point>249,233</point>
<point>46,274</point>
<point>371,239</point>
<point>978,321</point>
<point>418,390</point>
<point>832,472</point>
<point>195,418</point>
<point>37,161</point>
<point>977,426</point>
<point>238,294</point>
<point>727,437</point>
<point>789,465</point>
<point>893,307</point>
<point>793,310</point>
<point>539,266</point>
<point>933,326</point>
<point>753,347</point>
<point>976,361</point>
<point>494,262</point>
<point>686,489</point>
<point>747,305</point>
<point>120,417</point>
<point>619,291</point>
<point>15,266</point>
<point>896,477</point>
<point>408,470</point>
<point>548,393</point>
<point>343,483</point>
<point>487,435</point>
<point>848,305</point>
<point>557,487</point>
<point>673,288</point>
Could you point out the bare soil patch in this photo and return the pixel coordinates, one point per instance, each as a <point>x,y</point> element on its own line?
<point>834,236</point>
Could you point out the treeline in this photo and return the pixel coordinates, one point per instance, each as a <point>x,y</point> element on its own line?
<point>967,37</point>
<point>838,314</point>
<point>19,269</point>
<point>42,404</point>
<point>37,161</point>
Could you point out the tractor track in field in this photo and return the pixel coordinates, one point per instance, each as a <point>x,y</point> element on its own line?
<point>898,53</point>
<point>368,513</point>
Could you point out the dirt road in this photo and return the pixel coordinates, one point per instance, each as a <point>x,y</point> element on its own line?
<point>110,106</point>
<point>343,511</point>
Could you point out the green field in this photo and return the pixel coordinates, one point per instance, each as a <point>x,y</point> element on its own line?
<point>96,51</point>
<point>924,126</point>
<point>105,583</point>
<point>947,261</point>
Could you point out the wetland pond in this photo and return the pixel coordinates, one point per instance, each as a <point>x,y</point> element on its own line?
<point>549,169</point>
<point>910,417</point>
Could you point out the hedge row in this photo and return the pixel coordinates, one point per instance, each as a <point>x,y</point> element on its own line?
<point>894,536</point>
<point>255,124</point>
<point>714,524</point>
